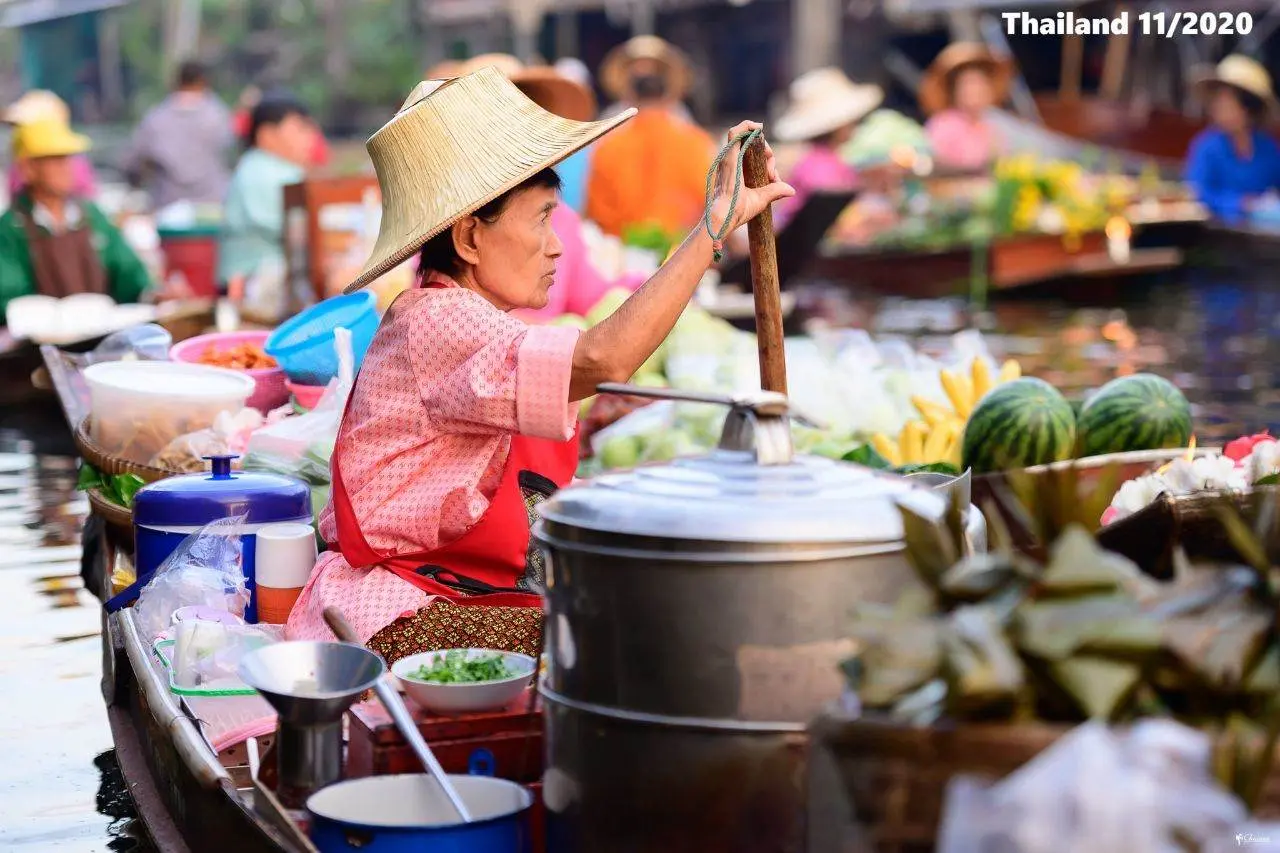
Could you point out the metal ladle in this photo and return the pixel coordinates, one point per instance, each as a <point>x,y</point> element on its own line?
<point>400,714</point>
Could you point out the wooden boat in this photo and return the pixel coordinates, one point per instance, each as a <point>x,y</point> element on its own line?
<point>1152,132</point>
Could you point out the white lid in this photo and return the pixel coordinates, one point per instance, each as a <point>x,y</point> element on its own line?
<point>169,379</point>
<point>284,555</point>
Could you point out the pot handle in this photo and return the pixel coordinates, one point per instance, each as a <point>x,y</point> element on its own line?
<point>481,763</point>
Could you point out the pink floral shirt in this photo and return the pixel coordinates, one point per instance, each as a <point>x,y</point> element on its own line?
<point>959,142</point>
<point>821,169</point>
<point>448,380</point>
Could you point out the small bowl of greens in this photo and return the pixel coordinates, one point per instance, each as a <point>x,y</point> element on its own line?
<point>465,681</point>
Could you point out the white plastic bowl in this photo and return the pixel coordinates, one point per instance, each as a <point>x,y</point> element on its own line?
<point>138,407</point>
<point>465,698</point>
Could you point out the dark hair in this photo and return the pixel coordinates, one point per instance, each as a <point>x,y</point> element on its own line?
<point>1253,105</point>
<point>649,87</point>
<point>273,109</point>
<point>191,74</point>
<point>439,255</point>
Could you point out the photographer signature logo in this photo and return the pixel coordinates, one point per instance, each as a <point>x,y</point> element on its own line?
<point>1243,838</point>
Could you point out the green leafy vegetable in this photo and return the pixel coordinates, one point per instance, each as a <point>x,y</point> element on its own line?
<point>119,489</point>
<point>454,667</point>
<point>866,455</point>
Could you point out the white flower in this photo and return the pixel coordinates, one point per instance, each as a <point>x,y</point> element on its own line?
<point>1263,461</point>
<point>1138,493</point>
<point>1181,477</point>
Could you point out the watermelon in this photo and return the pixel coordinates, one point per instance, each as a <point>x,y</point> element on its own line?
<point>1139,412</point>
<point>1020,423</point>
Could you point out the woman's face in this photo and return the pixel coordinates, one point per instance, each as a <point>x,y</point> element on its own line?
<point>1228,111</point>
<point>513,258</point>
<point>973,90</point>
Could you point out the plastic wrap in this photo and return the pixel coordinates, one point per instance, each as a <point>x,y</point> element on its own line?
<point>1147,789</point>
<point>205,570</point>
<point>207,653</point>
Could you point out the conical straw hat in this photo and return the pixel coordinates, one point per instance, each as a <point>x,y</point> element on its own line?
<point>36,105</point>
<point>935,87</point>
<point>616,69</point>
<point>455,146</point>
<point>1239,72</point>
<point>546,86</point>
<point>823,101</point>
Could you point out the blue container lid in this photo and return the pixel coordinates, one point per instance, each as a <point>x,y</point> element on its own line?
<point>197,499</point>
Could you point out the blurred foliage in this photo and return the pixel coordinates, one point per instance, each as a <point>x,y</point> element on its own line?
<point>351,63</point>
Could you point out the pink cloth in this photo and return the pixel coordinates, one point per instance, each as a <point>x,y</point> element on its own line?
<point>86,184</point>
<point>960,142</point>
<point>448,380</point>
<point>821,169</point>
<point>578,284</point>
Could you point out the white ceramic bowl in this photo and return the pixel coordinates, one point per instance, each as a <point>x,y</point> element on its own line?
<point>469,698</point>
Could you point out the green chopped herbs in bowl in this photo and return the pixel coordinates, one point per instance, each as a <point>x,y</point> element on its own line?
<point>458,667</point>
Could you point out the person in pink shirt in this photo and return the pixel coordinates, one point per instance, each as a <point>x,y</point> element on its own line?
<point>41,104</point>
<point>463,417</point>
<point>959,90</point>
<point>825,106</point>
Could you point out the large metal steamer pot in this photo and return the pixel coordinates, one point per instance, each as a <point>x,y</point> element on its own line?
<point>697,612</point>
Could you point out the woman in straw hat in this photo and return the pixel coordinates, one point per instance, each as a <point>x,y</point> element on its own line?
<point>41,104</point>
<point>825,107</point>
<point>1233,163</point>
<point>578,284</point>
<point>958,91</point>
<point>463,417</point>
<point>643,65</point>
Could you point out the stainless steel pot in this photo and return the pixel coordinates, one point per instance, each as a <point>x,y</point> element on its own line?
<point>697,612</point>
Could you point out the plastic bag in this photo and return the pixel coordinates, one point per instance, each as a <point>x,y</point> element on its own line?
<point>207,654</point>
<point>281,447</point>
<point>1098,790</point>
<point>229,435</point>
<point>205,570</point>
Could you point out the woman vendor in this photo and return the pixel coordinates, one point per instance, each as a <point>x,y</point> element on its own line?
<point>958,92</point>
<point>1232,163</point>
<point>578,284</point>
<point>824,108</point>
<point>463,417</point>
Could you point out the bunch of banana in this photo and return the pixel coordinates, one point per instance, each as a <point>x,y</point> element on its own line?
<point>937,437</point>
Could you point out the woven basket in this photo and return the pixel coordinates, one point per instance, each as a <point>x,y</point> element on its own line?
<point>894,778</point>
<point>110,465</point>
<point>116,516</point>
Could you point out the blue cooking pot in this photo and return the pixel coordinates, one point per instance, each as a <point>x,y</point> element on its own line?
<point>410,814</point>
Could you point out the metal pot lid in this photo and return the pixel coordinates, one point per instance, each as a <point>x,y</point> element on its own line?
<point>750,490</point>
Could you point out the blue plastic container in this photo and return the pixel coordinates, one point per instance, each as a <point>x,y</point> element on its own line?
<point>303,345</point>
<point>411,814</point>
<point>168,511</point>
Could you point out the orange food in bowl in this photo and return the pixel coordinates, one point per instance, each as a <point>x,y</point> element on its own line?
<point>245,356</point>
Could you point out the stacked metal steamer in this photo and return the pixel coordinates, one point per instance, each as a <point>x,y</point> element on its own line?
<point>697,612</point>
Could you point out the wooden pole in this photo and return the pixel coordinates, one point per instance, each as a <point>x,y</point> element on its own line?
<point>1072,68</point>
<point>764,279</point>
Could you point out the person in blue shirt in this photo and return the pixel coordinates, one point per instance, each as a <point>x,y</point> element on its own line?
<point>1232,163</point>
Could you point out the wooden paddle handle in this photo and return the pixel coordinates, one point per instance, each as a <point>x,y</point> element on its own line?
<point>340,626</point>
<point>764,279</point>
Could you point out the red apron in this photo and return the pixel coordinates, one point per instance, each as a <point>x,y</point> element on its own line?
<point>486,563</point>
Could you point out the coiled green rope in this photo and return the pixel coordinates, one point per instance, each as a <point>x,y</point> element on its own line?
<point>717,239</point>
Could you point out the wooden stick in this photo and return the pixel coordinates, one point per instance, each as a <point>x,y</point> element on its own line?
<point>1072,68</point>
<point>764,279</point>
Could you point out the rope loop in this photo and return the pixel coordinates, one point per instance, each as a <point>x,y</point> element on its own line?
<point>717,238</point>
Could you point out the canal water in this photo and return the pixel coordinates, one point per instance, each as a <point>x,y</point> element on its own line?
<point>1215,334</point>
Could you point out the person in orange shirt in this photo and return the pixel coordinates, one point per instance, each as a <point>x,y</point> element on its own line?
<point>652,171</point>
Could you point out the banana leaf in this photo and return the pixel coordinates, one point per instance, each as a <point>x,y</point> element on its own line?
<point>1098,686</point>
<point>983,670</point>
<point>1108,625</point>
<point>1078,566</point>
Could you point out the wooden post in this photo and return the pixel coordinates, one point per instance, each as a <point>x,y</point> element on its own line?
<point>1072,68</point>
<point>764,280</point>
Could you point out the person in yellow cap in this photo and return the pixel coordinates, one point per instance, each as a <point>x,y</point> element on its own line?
<point>51,241</point>
<point>1233,164</point>
<point>38,104</point>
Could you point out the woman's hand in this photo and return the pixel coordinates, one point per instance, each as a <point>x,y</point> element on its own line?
<point>750,201</point>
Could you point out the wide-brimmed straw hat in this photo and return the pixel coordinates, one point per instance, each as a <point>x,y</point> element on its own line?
<point>454,146</point>
<point>1239,72</point>
<point>546,86</point>
<point>615,71</point>
<point>48,137</point>
<point>823,101</point>
<point>35,105</point>
<point>935,88</point>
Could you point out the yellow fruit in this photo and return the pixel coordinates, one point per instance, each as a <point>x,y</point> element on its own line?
<point>933,413</point>
<point>935,446</point>
<point>1010,371</point>
<point>960,391</point>
<point>981,378</point>
<point>953,452</point>
<point>887,448</point>
<point>911,441</point>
